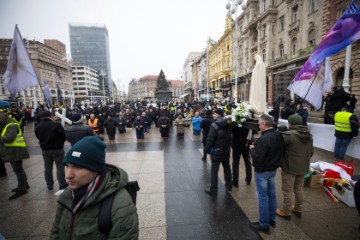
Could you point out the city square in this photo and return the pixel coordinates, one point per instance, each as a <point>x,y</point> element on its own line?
<point>171,202</point>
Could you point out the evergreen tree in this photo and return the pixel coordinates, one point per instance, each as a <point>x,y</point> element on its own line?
<point>162,83</point>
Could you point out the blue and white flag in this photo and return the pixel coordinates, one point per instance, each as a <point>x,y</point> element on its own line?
<point>47,93</point>
<point>20,73</point>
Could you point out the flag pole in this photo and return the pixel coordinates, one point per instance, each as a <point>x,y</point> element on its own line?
<point>311,84</point>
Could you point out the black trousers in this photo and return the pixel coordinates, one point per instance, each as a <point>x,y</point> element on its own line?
<point>236,154</point>
<point>20,174</point>
<point>215,164</point>
<point>2,167</point>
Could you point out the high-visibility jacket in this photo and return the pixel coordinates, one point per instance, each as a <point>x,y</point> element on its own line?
<point>342,121</point>
<point>19,140</point>
<point>93,124</point>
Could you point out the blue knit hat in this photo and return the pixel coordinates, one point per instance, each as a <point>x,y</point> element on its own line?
<point>88,153</point>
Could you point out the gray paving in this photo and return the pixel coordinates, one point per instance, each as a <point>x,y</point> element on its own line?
<point>171,203</point>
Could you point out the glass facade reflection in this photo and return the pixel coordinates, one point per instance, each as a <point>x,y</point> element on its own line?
<point>89,46</point>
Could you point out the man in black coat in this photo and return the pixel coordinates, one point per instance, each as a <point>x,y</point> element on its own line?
<point>205,125</point>
<point>77,130</point>
<point>218,145</point>
<point>51,136</point>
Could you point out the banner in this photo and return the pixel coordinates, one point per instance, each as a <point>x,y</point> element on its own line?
<point>20,73</point>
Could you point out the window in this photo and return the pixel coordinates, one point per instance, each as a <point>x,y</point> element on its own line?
<point>281,50</point>
<point>282,23</point>
<point>313,5</point>
<point>264,5</point>
<point>293,45</point>
<point>264,54</point>
<point>295,12</point>
<point>264,30</point>
<point>311,37</point>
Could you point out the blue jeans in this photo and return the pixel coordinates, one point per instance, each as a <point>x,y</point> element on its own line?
<point>341,145</point>
<point>265,189</point>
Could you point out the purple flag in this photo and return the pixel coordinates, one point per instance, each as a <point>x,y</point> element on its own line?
<point>345,31</point>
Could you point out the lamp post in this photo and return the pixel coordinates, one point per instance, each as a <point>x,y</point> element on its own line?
<point>231,6</point>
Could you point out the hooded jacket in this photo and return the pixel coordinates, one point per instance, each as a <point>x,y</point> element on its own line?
<point>218,142</point>
<point>77,131</point>
<point>125,223</point>
<point>298,150</point>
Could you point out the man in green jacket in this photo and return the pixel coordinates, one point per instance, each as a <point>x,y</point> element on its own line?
<point>298,151</point>
<point>90,180</point>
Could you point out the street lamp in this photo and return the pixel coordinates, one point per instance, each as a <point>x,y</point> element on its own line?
<point>231,6</point>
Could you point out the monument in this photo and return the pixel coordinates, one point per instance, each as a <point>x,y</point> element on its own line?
<point>258,86</point>
<point>163,94</point>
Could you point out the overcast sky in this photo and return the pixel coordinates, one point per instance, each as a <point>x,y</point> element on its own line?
<point>145,36</point>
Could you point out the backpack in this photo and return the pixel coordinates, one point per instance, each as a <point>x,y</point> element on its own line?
<point>104,217</point>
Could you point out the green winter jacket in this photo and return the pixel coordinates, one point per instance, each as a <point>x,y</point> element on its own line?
<point>298,150</point>
<point>125,223</point>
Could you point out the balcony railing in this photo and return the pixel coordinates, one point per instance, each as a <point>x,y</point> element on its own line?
<point>290,56</point>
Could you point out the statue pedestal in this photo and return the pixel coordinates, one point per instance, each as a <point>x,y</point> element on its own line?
<point>163,96</point>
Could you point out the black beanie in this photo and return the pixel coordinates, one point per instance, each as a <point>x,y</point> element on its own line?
<point>219,111</point>
<point>88,153</point>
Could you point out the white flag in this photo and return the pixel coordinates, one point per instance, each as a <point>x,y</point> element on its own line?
<point>312,91</point>
<point>20,73</point>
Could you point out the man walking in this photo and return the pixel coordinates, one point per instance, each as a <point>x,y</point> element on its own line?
<point>298,151</point>
<point>218,146</point>
<point>266,155</point>
<point>51,136</point>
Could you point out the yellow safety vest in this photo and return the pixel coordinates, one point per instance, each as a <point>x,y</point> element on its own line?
<point>172,108</point>
<point>19,140</point>
<point>342,121</point>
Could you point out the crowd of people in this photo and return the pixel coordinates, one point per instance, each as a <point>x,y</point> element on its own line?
<point>84,173</point>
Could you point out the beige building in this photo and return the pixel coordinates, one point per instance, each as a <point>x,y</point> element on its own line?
<point>188,75</point>
<point>145,87</point>
<point>285,33</point>
<point>50,63</point>
<point>176,87</point>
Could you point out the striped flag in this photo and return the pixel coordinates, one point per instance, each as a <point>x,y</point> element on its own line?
<point>345,31</point>
<point>20,73</point>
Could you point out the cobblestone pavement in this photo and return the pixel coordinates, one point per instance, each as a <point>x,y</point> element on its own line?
<point>172,203</point>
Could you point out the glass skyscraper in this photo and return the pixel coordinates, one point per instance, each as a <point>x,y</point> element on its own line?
<point>89,46</point>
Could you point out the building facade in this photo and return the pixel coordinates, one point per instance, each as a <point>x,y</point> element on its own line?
<point>145,87</point>
<point>188,75</point>
<point>285,33</point>
<point>176,87</point>
<point>332,10</point>
<point>89,46</point>
<point>220,64</point>
<point>50,65</point>
<point>86,84</point>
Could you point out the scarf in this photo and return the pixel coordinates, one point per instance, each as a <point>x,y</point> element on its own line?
<point>83,193</point>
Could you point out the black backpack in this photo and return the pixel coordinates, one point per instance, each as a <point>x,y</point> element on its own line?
<point>104,218</point>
